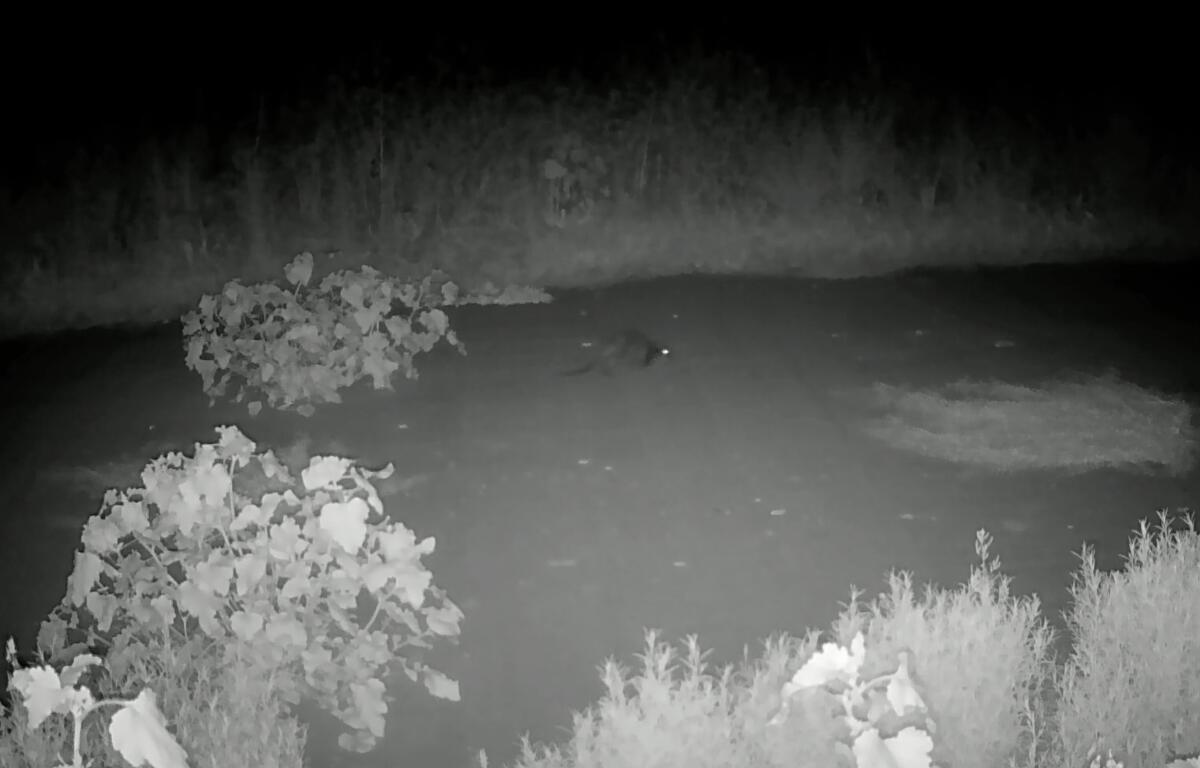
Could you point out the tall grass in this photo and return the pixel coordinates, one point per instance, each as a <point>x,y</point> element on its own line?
<point>713,166</point>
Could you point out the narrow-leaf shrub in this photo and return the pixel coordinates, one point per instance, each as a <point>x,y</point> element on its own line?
<point>305,579</point>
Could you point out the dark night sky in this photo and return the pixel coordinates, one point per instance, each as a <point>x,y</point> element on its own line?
<point>109,78</point>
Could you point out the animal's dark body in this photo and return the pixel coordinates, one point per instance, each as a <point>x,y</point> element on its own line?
<point>629,349</point>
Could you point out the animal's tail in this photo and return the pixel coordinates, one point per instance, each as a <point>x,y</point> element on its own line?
<point>580,370</point>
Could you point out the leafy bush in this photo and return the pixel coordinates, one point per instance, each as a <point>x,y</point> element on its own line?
<point>308,586</point>
<point>137,728</point>
<point>300,347</point>
<point>882,721</point>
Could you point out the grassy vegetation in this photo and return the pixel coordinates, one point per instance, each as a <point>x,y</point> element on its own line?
<point>714,167</point>
<point>221,715</point>
<point>981,656</point>
<point>1133,684</point>
<point>1075,424</point>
